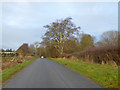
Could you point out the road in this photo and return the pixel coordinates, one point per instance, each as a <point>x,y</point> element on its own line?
<point>45,73</point>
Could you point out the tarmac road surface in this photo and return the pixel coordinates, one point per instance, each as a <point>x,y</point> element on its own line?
<point>46,73</point>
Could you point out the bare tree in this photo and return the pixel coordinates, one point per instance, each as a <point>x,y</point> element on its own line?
<point>109,38</point>
<point>60,31</point>
<point>31,49</point>
<point>37,45</point>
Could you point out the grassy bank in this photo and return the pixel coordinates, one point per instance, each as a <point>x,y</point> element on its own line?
<point>9,73</point>
<point>105,75</point>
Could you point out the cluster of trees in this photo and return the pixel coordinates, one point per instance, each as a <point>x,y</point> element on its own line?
<point>7,50</point>
<point>64,39</point>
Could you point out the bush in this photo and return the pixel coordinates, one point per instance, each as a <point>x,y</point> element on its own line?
<point>106,55</point>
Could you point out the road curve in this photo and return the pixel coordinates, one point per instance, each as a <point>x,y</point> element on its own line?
<point>45,73</point>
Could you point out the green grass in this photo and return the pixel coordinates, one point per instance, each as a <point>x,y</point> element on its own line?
<point>9,73</point>
<point>105,75</point>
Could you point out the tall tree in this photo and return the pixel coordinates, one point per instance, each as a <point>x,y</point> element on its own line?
<point>86,41</point>
<point>31,49</point>
<point>71,45</point>
<point>109,38</point>
<point>37,45</point>
<point>60,31</point>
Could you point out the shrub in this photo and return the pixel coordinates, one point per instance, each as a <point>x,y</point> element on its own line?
<point>106,55</point>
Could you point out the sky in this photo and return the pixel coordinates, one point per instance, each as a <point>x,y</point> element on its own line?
<point>22,22</point>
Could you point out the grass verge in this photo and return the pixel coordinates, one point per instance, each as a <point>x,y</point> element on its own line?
<point>9,73</point>
<point>105,75</point>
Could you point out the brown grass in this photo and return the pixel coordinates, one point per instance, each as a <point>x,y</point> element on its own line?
<point>9,62</point>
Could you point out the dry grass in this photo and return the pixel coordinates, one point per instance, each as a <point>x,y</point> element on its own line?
<point>9,62</point>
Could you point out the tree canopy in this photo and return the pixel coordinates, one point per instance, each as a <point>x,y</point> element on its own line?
<point>59,32</point>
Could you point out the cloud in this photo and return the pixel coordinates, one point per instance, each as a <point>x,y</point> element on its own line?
<point>23,22</point>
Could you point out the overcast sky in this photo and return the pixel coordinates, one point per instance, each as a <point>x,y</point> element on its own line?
<point>23,22</point>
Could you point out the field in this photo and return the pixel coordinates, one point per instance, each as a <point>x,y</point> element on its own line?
<point>105,75</point>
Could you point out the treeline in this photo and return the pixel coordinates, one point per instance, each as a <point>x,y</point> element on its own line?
<point>7,50</point>
<point>105,51</point>
<point>64,39</point>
